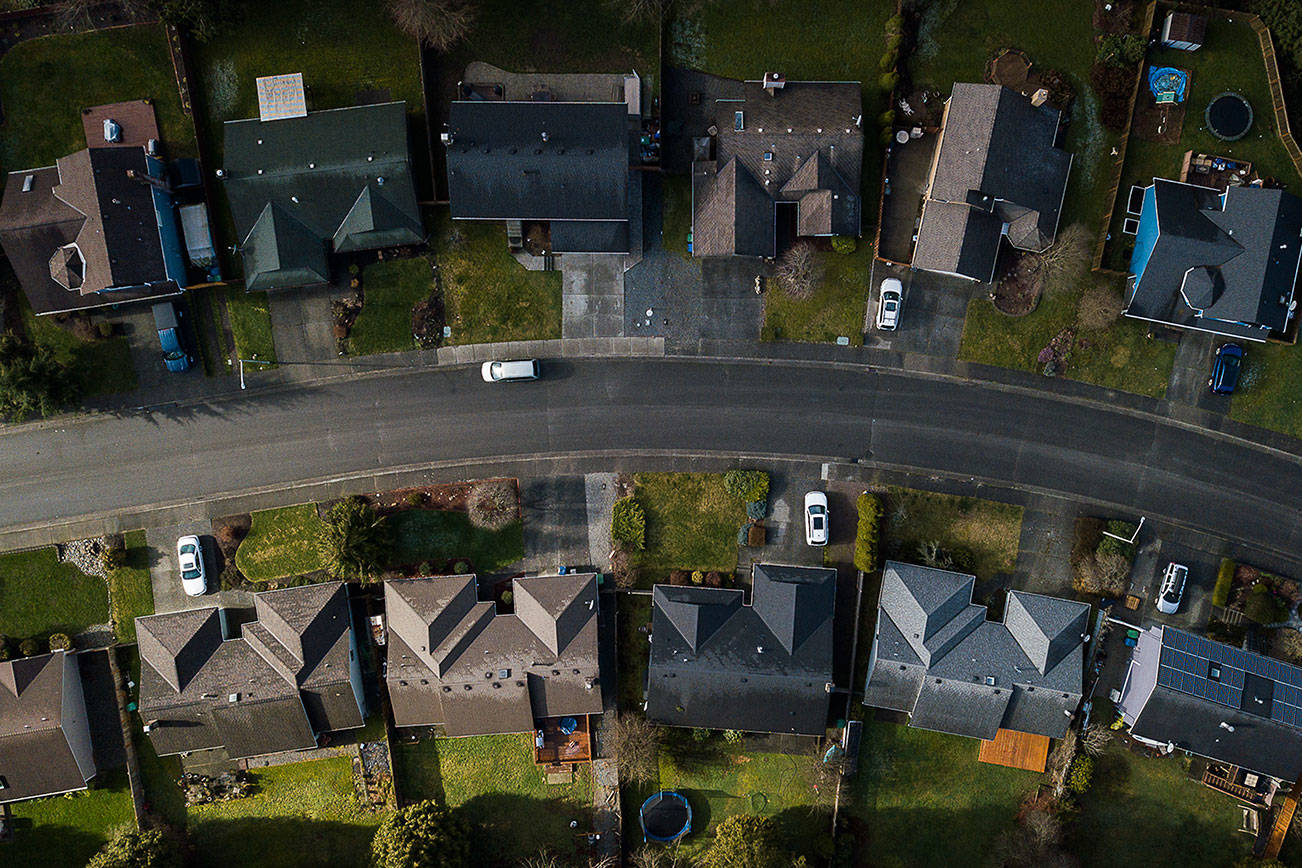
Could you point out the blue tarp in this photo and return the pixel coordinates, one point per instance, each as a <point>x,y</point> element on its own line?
<point>1168,82</point>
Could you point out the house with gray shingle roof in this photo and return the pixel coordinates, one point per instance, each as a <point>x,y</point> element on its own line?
<point>720,663</point>
<point>276,685</point>
<point>997,174</point>
<point>454,661</point>
<point>1225,262</point>
<point>937,658</point>
<point>45,746</point>
<point>774,160</point>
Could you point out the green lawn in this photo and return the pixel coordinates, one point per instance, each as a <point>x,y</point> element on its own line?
<point>391,288</point>
<point>1149,810</point>
<point>633,650</point>
<point>1121,356</point>
<point>250,314</point>
<point>488,296</point>
<point>982,535</point>
<point>40,596</point>
<point>493,778</point>
<point>281,543</point>
<point>1268,393</point>
<point>100,367</point>
<point>439,535</point>
<point>836,308</point>
<point>1230,59</point>
<point>677,217</point>
<point>958,38</point>
<point>305,814</point>
<point>65,831</point>
<point>691,523</point>
<point>922,799</point>
<point>46,82</point>
<point>131,591</point>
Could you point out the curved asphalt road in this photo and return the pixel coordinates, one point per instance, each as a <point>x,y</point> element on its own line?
<point>1015,437</point>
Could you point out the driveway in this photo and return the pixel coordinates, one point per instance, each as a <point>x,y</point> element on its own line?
<point>931,317</point>
<point>302,325</point>
<point>592,296</point>
<point>1160,545</point>
<point>785,541</point>
<point>166,575</point>
<point>555,523</point>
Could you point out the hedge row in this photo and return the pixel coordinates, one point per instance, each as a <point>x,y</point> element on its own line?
<point>1224,579</point>
<point>865,541</point>
<point>628,524</point>
<point>747,486</point>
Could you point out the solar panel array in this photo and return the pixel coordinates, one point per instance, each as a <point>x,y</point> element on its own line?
<point>1186,661</point>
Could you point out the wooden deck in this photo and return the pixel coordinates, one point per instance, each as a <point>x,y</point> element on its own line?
<point>558,748</point>
<point>1017,750</point>
<point>1283,819</point>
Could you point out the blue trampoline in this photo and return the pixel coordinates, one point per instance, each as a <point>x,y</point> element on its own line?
<point>665,817</point>
<point>1168,84</point>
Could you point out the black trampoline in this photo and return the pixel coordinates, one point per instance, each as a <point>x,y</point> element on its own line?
<point>1228,116</point>
<point>666,817</point>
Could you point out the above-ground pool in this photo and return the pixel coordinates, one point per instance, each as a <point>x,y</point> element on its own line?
<point>1229,116</point>
<point>666,817</point>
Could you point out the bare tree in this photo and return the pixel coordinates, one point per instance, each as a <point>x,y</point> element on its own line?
<point>76,14</point>
<point>1067,260</point>
<point>440,24</point>
<point>797,271</point>
<point>1099,307</point>
<point>1060,762</point>
<point>636,745</point>
<point>493,504</point>
<point>1103,573</point>
<point>660,857</point>
<point>1095,740</point>
<point>639,10</point>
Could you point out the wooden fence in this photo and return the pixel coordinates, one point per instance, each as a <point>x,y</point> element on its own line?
<point>1276,92</point>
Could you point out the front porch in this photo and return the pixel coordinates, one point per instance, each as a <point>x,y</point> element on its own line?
<point>562,740</point>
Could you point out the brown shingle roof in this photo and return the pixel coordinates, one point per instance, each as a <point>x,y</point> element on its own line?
<point>36,756</point>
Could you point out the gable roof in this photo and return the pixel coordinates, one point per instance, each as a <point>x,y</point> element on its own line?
<point>763,667</point>
<point>1226,263</point>
<point>454,661</point>
<point>36,755</point>
<point>938,658</point>
<point>801,143</point>
<point>194,684</point>
<point>316,171</point>
<point>996,157</point>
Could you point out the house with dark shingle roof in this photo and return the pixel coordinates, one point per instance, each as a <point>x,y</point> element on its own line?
<point>454,661</point>
<point>328,182</point>
<point>1220,702</point>
<point>720,663</point>
<point>100,226</point>
<point>937,658</point>
<point>562,166</point>
<point>775,160</point>
<point>997,174</point>
<point>287,677</point>
<point>45,746</point>
<point>1220,262</point>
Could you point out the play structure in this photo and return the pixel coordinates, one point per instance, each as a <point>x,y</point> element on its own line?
<point>1168,84</point>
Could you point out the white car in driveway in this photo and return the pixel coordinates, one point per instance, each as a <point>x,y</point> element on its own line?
<point>189,556</point>
<point>1172,590</point>
<point>888,306</point>
<point>816,518</point>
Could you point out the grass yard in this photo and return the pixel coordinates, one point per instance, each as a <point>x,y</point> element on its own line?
<point>1121,356</point>
<point>1149,809</point>
<point>281,543</point>
<point>836,308</point>
<point>956,39</point>
<point>1230,59</point>
<point>633,649</point>
<point>921,798</point>
<point>691,524</point>
<point>981,535</point>
<point>131,591</point>
<point>40,596</point>
<point>441,535</point>
<point>391,288</point>
<point>488,296</point>
<point>250,314</point>
<point>305,814</point>
<point>493,778</point>
<point>1268,393</point>
<point>100,367</point>
<point>677,217</point>
<point>46,82</point>
<point>65,831</point>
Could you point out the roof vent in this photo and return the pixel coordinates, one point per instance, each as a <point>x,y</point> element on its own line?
<point>990,680</point>
<point>112,130</point>
<point>234,697</point>
<point>379,182</point>
<point>27,183</point>
<point>294,199</point>
<point>759,649</point>
<point>311,165</point>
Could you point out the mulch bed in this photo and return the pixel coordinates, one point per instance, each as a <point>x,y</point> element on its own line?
<point>1157,123</point>
<point>451,496</point>
<point>1018,291</point>
<point>1118,19</point>
<point>1011,69</point>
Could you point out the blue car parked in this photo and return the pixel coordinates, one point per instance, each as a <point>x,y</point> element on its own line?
<point>1225,369</point>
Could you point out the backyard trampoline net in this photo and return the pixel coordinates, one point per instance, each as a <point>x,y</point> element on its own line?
<point>666,816</point>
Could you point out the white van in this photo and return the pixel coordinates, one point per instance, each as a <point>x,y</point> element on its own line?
<point>512,371</point>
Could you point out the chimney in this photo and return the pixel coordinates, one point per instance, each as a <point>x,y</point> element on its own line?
<point>774,82</point>
<point>150,180</point>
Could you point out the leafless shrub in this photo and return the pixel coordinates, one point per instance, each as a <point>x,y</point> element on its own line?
<point>635,741</point>
<point>1103,573</point>
<point>797,271</point>
<point>1066,262</point>
<point>1060,762</point>
<point>638,10</point>
<point>1099,307</point>
<point>493,504</point>
<point>660,857</point>
<point>440,24</point>
<point>1095,740</point>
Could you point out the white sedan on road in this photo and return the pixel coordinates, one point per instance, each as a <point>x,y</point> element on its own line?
<point>816,518</point>
<point>189,555</point>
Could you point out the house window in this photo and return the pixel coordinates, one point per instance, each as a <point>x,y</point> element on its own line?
<point>738,121</point>
<point>1213,671</point>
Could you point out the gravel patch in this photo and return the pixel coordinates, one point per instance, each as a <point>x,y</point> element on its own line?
<point>375,758</point>
<point>84,554</point>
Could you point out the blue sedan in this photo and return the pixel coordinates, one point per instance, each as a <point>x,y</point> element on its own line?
<point>1225,369</point>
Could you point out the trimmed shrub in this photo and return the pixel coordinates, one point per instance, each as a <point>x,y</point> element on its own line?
<point>414,498</point>
<point>747,485</point>
<point>895,26</point>
<point>1263,606</point>
<point>1224,579</point>
<point>29,647</point>
<point>886,119</point>
<point>461,568</point>
<point>846,245</point>
<point>889,58</point>
<point>866,537</point>
<point>757,509</point>
<point>888,81</point>
<point>698,577</point>
<point>893,41</point>
<point>732,736</point>
<point>743,534</point>
<point>6,649</point>
<point>1082,769</point>
<point>628,524</point>
<point>508,598</point>
<point>60,642</point>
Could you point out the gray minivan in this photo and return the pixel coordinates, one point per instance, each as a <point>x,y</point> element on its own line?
<point>512,371</point>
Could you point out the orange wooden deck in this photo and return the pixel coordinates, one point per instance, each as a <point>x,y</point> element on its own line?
<point>1017,750</point>
<point>1283,819</point>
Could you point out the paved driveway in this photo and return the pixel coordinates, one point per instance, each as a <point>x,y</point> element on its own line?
<point>592,296</point>
<point>166,575</point>
<point>931,318</point>
<point>302,325</point>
